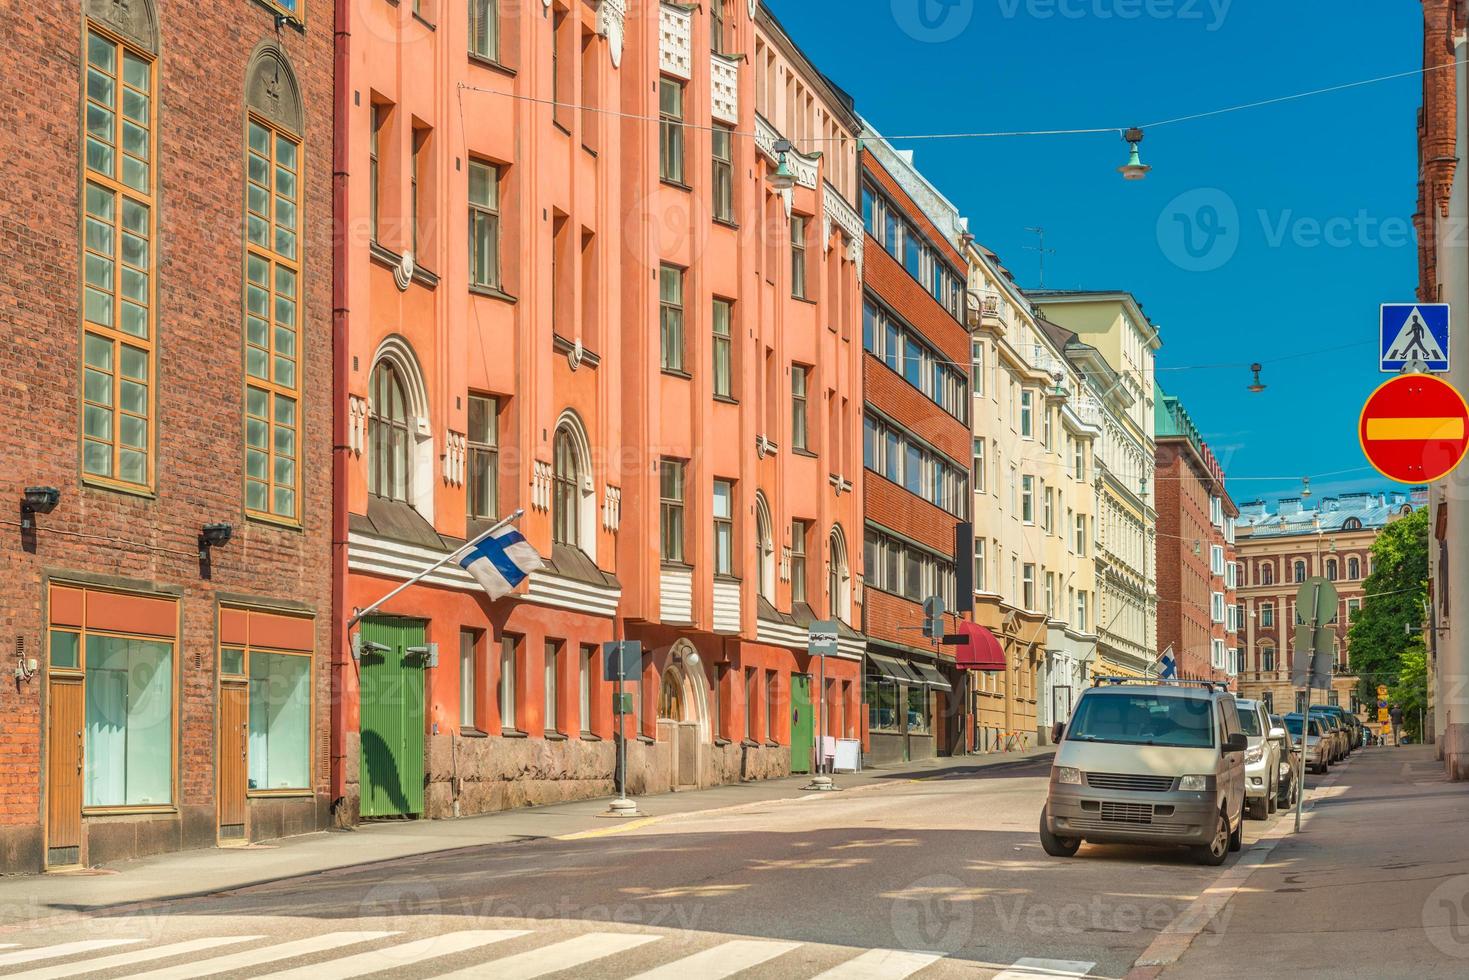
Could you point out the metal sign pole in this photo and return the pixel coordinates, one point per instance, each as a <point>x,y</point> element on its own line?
<point>1306,714</point>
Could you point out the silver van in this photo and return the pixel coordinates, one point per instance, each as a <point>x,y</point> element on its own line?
<point>1148,762</point>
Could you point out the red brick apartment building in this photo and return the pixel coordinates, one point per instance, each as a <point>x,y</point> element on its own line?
<point>167,348</point>
<point>917,446</point>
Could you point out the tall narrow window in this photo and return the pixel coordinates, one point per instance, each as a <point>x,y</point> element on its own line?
<point>716,26</point>
<point>483,467</point>
<point>468,677</point>
<point>387,434</point>
<point>671,508</point>
<point>978,471</point>
<point>723,527</point>
<point>272,388</point>
<point>800,424</point>
<point>509,654</point>
<point>552,685</point>
<point>585,666</point>
<point>1027,424</point>
<point>670,315</point>
<point>671,130</point>
<point>565,491</point>
<point>374,170</point>
<point>798,256</point>
<point>119,265</point>
<point>484,224</point>
<point>799,529</point>
<point>560,70</point>
<point>415,177</point>
<point>484,28</point>
<point>723,350</point>
<point>722,159</point>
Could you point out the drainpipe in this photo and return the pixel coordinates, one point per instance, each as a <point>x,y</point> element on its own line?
<point>341,450</point>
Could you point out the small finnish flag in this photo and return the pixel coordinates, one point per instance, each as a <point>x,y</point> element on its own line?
<point>500,562</point>
<point>1167,667</point>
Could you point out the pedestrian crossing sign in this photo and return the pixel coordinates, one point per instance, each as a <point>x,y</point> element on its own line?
<point>1414,332</point>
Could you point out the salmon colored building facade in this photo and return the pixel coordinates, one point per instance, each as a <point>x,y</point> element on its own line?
<point>565,288</point>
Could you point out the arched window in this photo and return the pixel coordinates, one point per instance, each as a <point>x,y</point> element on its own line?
<point>1331,569</point>
<point>119,242</point>
<point>565,489</point>
<point>273,125</point>
<point>764,549</point>
<point>1267,574</point>
<point>839,577</point>
<point>1352,524</point>
<point>670,696</point>
<point>1300,568</point>
<point>1354,569</point>
<point>388,438</point>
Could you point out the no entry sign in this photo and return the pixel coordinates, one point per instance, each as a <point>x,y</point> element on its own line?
<point>1415,428</point>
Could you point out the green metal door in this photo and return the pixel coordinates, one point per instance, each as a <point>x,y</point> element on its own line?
<point>802,727</point>
<point>391,707</point>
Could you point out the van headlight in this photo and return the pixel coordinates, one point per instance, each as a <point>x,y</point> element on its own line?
<point>1254,755</point>
<point>1193,784</point>
<point>1067,775</point>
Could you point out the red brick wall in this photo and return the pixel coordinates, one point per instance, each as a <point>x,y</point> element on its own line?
<point>151,540</point>
<point>1437,136</point>
<point>1185,620</point>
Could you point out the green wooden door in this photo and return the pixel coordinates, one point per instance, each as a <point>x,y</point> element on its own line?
<point>391,708</point>
<point>802,727</point>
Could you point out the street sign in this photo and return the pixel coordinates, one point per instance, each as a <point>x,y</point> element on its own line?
<point>1315,646</point>
<point>1382,715</point>
<point>622,660</point>
<point>821,638</point>
<point>1415,428</point>
<point>1316,601</point>
<point>1414,332</point>
<point>933,617</point>
<point>622,703</point>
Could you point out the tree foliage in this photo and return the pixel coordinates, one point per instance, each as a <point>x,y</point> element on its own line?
<point>1394,597</point>
<point>1411,690</point>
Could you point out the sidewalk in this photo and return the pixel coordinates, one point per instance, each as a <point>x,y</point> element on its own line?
<point>184,873</point>
<point>1375,885</point>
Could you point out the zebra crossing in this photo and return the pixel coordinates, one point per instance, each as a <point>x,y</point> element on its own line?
<point>342,954</point>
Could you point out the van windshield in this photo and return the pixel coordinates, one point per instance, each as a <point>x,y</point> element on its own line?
<point>1144,719</point>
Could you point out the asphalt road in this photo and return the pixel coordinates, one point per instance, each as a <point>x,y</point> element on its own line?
<point>931,878</point>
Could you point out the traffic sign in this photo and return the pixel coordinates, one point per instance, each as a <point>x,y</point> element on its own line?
<point>1382,715</point>
<point>622,660</point>
<point>1414,332</point>
<point>1415,428</point>
<point>821,638</point>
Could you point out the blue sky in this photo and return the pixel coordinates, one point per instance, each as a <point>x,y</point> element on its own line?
<point>1300,213</point>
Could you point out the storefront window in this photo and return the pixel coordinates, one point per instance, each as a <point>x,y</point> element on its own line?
<point>881,695</point>
<point>918,710</point>
<point>280,720</point>
<point>129,722</point>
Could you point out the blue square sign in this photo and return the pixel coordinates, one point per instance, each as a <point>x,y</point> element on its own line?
<point>1415,331</point>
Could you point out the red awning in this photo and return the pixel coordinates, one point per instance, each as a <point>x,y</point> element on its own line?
<point>980,650</point>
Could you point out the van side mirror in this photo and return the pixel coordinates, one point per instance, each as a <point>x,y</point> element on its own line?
<point>1277,734</point>
<point>1236,742</point>
<point>1057,730</point>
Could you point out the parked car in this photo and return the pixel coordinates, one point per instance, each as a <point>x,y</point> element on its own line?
<point>1344,719</point>
<point>1317,745</point>
<point>1289,760</point>
<point>1262,758</point>
<point>1148,763</point>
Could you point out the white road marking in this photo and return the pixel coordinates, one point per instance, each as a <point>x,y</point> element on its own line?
<point>261,956</point>
<point>554,958</point>
<point>880,964</point>
<point>397,957</point>
<point>1029,968</point>
<point>61,949</point>
<point>129,959</point>
<point>722,961</point>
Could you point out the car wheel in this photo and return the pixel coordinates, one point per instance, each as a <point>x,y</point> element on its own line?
<point>1237,837</point>
<point>1216,851</point>
<point>1254,810</point>
<point>1060,847</point>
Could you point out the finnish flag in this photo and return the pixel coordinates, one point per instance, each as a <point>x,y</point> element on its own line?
<point>501,561</point>
<point>1167,668</point>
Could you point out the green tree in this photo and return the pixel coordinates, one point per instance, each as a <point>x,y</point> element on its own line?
<point>1410,692</point>
<point>1395,593</point>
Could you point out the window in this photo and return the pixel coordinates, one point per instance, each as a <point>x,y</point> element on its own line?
<point>1027,586</point>
<point>723,527</point>
<point>1354,569</point>
<point>918,709</point>
<point>976,367</point>
<point>887,338</point>
<point>484,28</point>
<point>838,577</point>
<point>977,471</point>
<point>723,349</point>
<point>1267,574</point>
<point>881,695</point>
<point>716,26</point>
<point>560,77</point>
<point>387,434</point>
<point>586,666</point>
<point>1231,575</point>
<point>1079,461</point>
<point>128,721</point>
<point>1300,570</point>
<point>1081,534</point>
<point>1048,511</point>
<point>552,685</point>
<point>1331,569</point>
<point>1216,606</point>
<point>1050,595</point>
<point>1216,559</point>
<point>721,140</point>
<point>118,265</point>
<point>798,256</point>
<point>670,130</point>
<point>750,702</point>
<point>670,314</point>
<point>374,169</point>
<point>799,422</point>
<point>1014,491</point>
<point>415,176</point>
<point>565,490</point>
<point>1027,499</point>
<point>1267,658</point>
<point>1081,611</point>
<point>798,559</point>
<point>468,677</point>
<point>671,508</point>
<point>764,549</point>
<point>482,495</point>
<point>509,655</point>
<point>484,224</point>
<point>772,703</point>
<point>272,391</point>
<point>980,565</point>
<point>1267,615</point>
<point>1354,606</point>
<point>1027,423</point>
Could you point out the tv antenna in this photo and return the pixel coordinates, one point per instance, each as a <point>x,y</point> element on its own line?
<point>1040,234</point>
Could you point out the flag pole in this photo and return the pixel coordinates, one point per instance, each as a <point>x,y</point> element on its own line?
<point>361,614</point>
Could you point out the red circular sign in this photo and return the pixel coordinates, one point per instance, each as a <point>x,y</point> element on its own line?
<point>1415,428</point>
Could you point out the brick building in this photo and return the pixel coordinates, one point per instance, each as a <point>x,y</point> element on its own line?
<point>916,446</point>
<point>179,692</point>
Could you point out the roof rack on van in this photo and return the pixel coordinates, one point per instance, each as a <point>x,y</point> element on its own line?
<point>1210,686</point>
